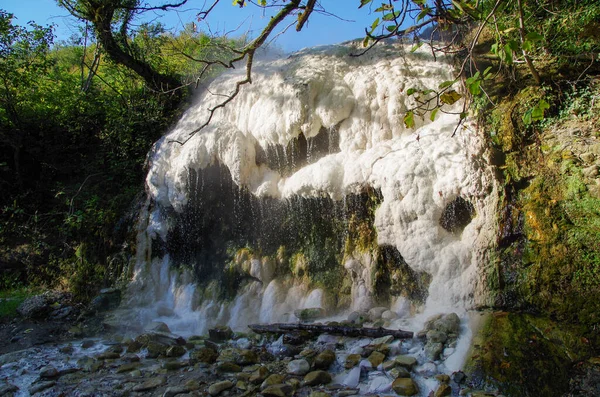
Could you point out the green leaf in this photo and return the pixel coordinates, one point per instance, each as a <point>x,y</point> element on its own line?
<point>433,114</point>
<point>527,117</point>
<point>507,54</point>
<point>534,36</point>
<point>450,97</point>
<point>416,46</point>
<point>374,25</point>
<point>474,87</point>
<point>528,45</point>
<point>391,16</point>
<point>423,14</point>
<point>364,3</point>
<point>365,42</point>
<point>446,84</point>
<point>411,91</point>
<point>391,28</point>
<point>486,72</point>
<point>409,120</point>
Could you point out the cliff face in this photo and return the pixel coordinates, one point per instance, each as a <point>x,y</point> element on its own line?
<point>545,271</point>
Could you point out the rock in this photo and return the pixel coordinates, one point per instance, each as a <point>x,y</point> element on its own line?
<point>175,390</point>
<point>127,367</point>
<point>86,363</point>
<point>319,394</point>
<point>6,389</point>
<point>324,359</point>
<point>433,350</point>
<point>587,157</point>
<point>228,367</point>
<point>358,318</point>
<point>216,388</point>
<point>427,369</point>
<point>108,299</point>
<point>298,367</point>
<point>353,377</point>
<point>347,393</point>
<point>34,307</point>
<point>40,386</point>
<point>312,313</point>
<point>175,351</point>
<point>220,334</point>
<point>67,349</point>
<point>450,323</point>
<point>272,380</point>
<point>389,315</point>
<point>150,384</point>
<point>388,365</point>
<point>590,172</point>
<point>130,357</point>
<point>281,390</point>
<point>259,375</point>
<point>405,387</point>
<point>443,378</point>
<point>156,349</point>
<point>384,340</point>
<point>443,390</point>
<point>108,356</point>
<point>203,355</point>
<point>173,365</point>
<point>352,360</point>
<point>157,326</point>
<point>399,372</point>
<point>376,358</point>
<point>407,362</point>
<point>436,336</point>
<point>315,378</point>
<point>86,344</point>
<point>246,357</point>
<point>459,377</point>
<point>48,372</point>
<point>376,312</point>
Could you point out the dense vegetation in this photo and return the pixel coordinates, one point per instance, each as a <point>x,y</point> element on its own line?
<point>75,129</point>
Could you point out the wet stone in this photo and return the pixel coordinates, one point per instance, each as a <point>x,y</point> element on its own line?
<point>384,340</point>
<point>247,357</point>
<point>217,388</point>
<point>203,355</point>
<point>259,375</point>
<point>309,314</point>
<point>406,361</point>
<point>158,326</point>
<point>376,358</point>
<point>48,372</point>
<point>443,378</point>
<point>175,390</point>
<point>347,393</point>
<point>129,357</point>
<point>319,394</point>
<point>173,365</point>
<point>433,350</point>
<point>443,390</point>
<point>272,380</point>
<point>317,378</point>
<point>436,336</point>
<point>7,388</point>
<point>298,367</point>
<point>399,372</point>
<point>281,390</point>
<point>40,386</point>
<point>108,356</point>
<point>127,367</point>
<point>156,349</point>
<point>405,387</point>
<point>175,351</point>
<point>324,359</point>
<point>220,334</point>
<point>228,367</point>
<point>352,360</point>
<point>150,384</point>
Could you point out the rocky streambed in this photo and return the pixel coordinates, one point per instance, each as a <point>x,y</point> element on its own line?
<point>223,363</point>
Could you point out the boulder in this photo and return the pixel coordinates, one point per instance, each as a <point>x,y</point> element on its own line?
<point>203,355</point>
<point>324,359</point>
<point>407,362</point>
<point>281,390</point>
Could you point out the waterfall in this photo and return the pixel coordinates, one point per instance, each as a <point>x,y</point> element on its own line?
<point>308,191</point>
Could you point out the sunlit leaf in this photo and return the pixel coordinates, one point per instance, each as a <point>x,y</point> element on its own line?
<point>411,91</point>
<point>416,46</point>
<point>446,84</point>
<point>409,120</point>
<point>423,13</point>
<point>374,25</point>
<point>362,3</point>
<point>450,97</point>
<point>433,114</point>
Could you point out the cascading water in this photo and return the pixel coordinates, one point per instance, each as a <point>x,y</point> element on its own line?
<point>308,191</point>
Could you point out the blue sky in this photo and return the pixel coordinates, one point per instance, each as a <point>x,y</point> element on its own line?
<point>349,23</point>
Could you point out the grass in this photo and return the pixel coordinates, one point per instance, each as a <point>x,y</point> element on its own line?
<point>10,300</point>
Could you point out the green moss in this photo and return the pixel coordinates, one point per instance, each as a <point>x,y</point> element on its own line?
<point>524,355</point>
<point>11,299</point>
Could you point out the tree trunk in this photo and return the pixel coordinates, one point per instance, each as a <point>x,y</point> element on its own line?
<point>343,330</point>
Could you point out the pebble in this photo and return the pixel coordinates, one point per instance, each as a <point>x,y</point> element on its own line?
<point>406,361</point>
<point>48,372</point>
<point>151,384</point>
<point>40,386</point>
<point>353,377</point>
<point>405,387</point>
<point>315,378</point>
<point>281,390</point>
<point>298,367</point>
<point>216,388</point>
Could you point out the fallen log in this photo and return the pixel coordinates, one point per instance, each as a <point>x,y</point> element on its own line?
<point>344,330</point>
